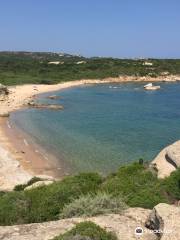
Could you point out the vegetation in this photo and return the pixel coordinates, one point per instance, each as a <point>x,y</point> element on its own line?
<point>92,205</point>
<point>24,67</point>
<point>133,184</point>
<point>87,231</point>
<point>45,203</point>
<point>139,186</point>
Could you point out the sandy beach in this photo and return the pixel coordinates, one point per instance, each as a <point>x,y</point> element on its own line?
<point>19,159</point>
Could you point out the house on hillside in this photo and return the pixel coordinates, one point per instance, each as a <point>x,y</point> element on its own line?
<point>81,62</point>
<point>56,63</point>
<point>147,63</point>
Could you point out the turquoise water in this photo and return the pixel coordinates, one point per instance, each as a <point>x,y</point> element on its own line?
<point>105,126</point>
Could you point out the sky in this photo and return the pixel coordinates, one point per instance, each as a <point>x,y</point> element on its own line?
<point>108,28</point>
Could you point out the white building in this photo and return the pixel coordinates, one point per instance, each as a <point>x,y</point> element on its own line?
<point>81,62</point>
<point>147,63</point>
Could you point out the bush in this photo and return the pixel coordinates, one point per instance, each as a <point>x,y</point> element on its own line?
<point>14,208</point>
<point>134,184</point>
<point>137,184</point>
<point>171,185</point>
<point>46,81</point>
<point>91,205</point>
<point>46,202</point>
<point>87,231</point>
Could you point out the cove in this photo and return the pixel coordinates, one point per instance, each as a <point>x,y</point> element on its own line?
<point>105,126</point>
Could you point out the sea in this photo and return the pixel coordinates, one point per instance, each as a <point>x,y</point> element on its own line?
<point>105,126</point>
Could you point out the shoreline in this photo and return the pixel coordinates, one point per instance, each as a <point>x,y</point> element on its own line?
<point>21,95</point>
<point>26,159</point>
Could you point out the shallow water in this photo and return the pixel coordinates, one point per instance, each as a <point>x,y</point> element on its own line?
<point>105,126</point>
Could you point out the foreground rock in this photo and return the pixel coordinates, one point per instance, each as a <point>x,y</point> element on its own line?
<point>165,220</point>
<point>123,225</point>
<point>167,161</point>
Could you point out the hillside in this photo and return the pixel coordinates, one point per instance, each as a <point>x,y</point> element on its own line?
<point>50,68</point>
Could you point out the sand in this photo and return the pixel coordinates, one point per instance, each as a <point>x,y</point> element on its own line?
<point>19,160</point>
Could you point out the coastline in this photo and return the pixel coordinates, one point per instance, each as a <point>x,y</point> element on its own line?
<point>24,159</point>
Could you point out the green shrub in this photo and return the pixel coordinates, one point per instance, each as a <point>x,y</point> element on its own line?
<point>91,205</point>
<point>46,202</point>
<point>14,208</point>
<point>171,185</point>
<point>87,231</point>
<point>134,184</point>
<point>46,81</point>
<point>19,187</point>
<point>137,184</point>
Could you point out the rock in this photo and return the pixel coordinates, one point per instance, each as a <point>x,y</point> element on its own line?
<point>45,106</point>
<point>123,226</point>
<point>165,221</point>
<point>167,160</point>
<point>49,106</point>
<point>39,184</point>
<point>3,89</point>
<point>4,114</point>
<point>173,154</point>
<point>53,97</point>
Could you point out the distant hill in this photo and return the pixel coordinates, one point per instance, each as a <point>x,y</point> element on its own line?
<point>48,67</point>
<point>38,55</point>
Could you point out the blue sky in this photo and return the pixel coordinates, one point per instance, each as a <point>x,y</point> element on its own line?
<point>117,28</point>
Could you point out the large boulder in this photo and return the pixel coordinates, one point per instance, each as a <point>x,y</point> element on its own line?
<point>173,154</point>
<point>164,220</point>
<point>3,89</point>
<point>167,161</point>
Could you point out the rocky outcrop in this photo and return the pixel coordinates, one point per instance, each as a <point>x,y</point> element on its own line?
<point>167,161</point>
<point>173,154</point>
<point>123,225</point>
<point>164,220</point>
<point>53,97</point>
<point>33,104</point>
<point>39,184</point>
<point>3,90</point>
